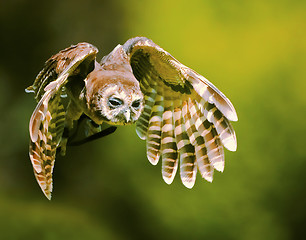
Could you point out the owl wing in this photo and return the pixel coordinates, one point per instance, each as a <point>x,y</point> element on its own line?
<point>185,119</point>
<point>48,119</point>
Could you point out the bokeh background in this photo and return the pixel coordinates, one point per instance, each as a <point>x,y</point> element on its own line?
<point>253,51</point>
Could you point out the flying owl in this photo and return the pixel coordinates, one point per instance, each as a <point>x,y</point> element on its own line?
<point>184,118</point>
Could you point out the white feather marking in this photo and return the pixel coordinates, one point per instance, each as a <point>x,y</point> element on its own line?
<point>154,128</point>
<point>170,176</point>
<point>178,130</point>
<point>167,115</point>
<point>189,183</point>
<point>192,138</point>
<point>155,119</point>
<point>219,166</point>
<point>210,115</point>
<point>141,134</point>
<point>211,99</point>
<point>169,150</point>
<point>182,143</point>
<point>198,147</point>
<point>154,136</point>
<point>187,165</point>
<point>211,141</point>
<point>208,177</point>
<point>187,124</point>
<point>192,110</point>
<point>167,140</point>
<point>224,132</point>
<point>187,154</point>
<point>198,123</point>
<point>177,114</point>
<point>230,143</point>
<point>206,131</point>
<point>202,104</point>
<point>203,90</point>
<point>42,137</point>
<point>36,164</point>
<point>153,159</point>
<point>167,127</point>
<point>153,143</point>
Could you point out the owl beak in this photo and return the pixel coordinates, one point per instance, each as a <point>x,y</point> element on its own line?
<point>127,115</point>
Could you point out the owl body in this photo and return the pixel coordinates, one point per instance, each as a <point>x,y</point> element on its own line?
<point>183,118</point>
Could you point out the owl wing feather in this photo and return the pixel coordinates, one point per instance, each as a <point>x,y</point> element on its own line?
<point>47,122</point>
<point>185,119</point>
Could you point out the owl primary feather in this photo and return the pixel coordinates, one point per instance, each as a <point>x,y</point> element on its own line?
<point>184,118</point>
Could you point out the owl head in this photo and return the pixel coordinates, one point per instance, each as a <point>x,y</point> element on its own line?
<point>113,97</point>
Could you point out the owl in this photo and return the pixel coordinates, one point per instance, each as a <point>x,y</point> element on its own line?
<point>184,118</point>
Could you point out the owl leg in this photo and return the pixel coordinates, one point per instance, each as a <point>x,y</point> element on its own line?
<point>102,133</point>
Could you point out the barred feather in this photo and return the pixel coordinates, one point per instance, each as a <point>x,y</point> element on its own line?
<point>42,155</point>
<point>169,154</point>
<point>213,145</point>
<point>222,125</point>
<point>38,116</point>
<point>211,94</point>
<point>43,150</point>
<point>143,121</point>
<point>204,165</point>
<point>188,167</point>
<point>155,129</point>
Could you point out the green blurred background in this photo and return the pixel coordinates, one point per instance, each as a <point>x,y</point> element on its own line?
<point>253,51</point>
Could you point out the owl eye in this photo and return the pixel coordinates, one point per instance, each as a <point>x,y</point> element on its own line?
<point>114,102</point>
<point>136,104</point>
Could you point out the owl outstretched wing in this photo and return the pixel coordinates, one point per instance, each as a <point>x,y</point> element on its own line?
<point>186,118</point>
<point>48,119</point>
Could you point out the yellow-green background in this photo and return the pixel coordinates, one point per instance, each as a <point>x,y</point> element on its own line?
<point>253,51</point>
